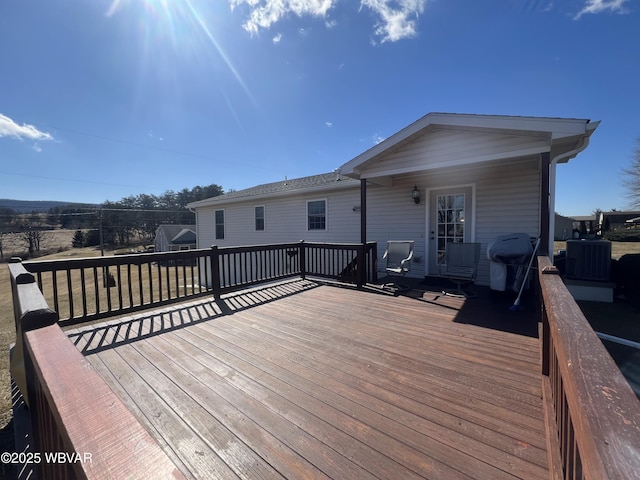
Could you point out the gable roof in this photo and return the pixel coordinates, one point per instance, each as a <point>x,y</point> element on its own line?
<point>321,182</point>
<point>184,237</point>
<point>178,234</point>
<point>620,216</point>
<point>563,137</point>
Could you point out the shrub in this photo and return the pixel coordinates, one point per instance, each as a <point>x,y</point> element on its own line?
<point>78,239</point>
<point>623,235</point>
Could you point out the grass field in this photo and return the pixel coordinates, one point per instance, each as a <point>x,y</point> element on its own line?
<point>618,319</point>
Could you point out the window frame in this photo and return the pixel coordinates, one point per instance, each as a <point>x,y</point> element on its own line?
<point>256,218</point>
<point>217,225</point>
<point>309,215</point>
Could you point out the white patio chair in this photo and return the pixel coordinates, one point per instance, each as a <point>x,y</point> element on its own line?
<point>398,255</point>
<point>461,267</point>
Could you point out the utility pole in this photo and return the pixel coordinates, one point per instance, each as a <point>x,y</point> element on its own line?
<point>101,233</point>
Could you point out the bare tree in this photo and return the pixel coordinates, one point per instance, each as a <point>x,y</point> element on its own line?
<point>32,233</point>
<point>631,178</point>
<point>33,239</point>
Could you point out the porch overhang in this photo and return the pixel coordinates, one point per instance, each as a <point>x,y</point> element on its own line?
<point>460,140</point>
<point>440,141</point>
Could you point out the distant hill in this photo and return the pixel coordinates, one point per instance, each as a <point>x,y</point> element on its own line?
<point>28,206</point>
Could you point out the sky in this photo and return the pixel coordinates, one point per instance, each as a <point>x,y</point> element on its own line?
<point>104,99</point>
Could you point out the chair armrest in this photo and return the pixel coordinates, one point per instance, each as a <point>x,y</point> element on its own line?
<point>407,259</point>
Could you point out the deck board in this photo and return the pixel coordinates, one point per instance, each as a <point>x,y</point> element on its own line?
<point>302,380</point>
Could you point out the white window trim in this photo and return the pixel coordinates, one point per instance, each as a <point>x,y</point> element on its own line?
<point>326,215</point>
<point>428,226</point>
<point>264,218</point>
<point>215,223</point>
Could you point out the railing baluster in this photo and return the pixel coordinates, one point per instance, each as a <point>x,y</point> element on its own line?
<point>167,272</point>
<point>107,285</point>
<point>184,279</point>
<point>119,286</point>
<point>54,282</point>
<point>176,269</point>
<point>83,287</point>
<point>96,290</point>
<point>130,285</point>
<point>69,292</point>
<point>150,273</point>
<point>193,277</point>
<point>160,288</point>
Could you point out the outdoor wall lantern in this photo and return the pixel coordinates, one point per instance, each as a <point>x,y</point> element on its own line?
<point>415,194</point>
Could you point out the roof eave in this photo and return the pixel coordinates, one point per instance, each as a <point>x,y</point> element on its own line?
<point>555,128</point>
<point>215,201</point>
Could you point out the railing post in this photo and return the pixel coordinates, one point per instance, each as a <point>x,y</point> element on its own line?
<point>545,339</point>
<point>545,343</point>
<point>303,259</point>
<point>361,265</point>
<point>373,262</point>
<point>31,312</point>
<point>215,272</point>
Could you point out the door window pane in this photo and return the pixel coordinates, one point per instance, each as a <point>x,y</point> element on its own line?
<point>450,217</point>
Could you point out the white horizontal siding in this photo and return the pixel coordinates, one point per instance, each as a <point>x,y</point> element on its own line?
<point>506,195</point>
<point>444,147</point>
<point>285,221</point>
<point>507,200</point>
<point>393,215</point>
<point>508,203</point>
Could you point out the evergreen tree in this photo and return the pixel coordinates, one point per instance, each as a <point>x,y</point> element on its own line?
<point>78,239</point>
<point>631,178</point>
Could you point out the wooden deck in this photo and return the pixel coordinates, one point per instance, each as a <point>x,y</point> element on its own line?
<point>303,380</point>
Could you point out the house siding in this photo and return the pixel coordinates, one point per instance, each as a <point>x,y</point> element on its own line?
<point>506,200</point>
<point>509,202</point>
<point>496,158</point>
<point>285,220</point>
<point>443,147</point>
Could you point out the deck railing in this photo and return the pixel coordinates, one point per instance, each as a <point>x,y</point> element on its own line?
<point>592,414</point>
<point>81,429</point>
<point>86,289</point>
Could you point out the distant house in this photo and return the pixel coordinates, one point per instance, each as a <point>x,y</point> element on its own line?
<point>619,220</point>
<point>170,238</point>
<point>445,178</point>
<point>563,229</point>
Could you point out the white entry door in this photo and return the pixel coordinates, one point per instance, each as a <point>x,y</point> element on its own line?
<point>450,212</point>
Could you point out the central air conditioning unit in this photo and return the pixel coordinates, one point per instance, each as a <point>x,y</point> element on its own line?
<point>589,260</point>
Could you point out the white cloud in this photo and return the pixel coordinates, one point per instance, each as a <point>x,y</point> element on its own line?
<point>397,18</point>
<point>599,6</point>
<point>264,13</point>
<point>277,38</point>
<point>9,128</point>
<point>328,124</point>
